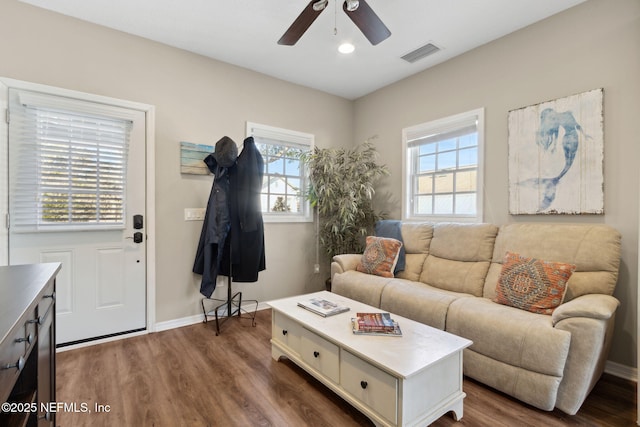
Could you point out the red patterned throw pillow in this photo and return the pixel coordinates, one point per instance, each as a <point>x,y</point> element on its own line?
<point>532,284</point>
<point>380,256</point>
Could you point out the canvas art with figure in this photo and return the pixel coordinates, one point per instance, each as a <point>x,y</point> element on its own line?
<point>556,156</point>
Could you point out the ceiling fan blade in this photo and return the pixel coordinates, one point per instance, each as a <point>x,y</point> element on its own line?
<point>300,25</point>
<point>366,19</point>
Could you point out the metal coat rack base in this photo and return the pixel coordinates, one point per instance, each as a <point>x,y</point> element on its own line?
<point>233,306</point>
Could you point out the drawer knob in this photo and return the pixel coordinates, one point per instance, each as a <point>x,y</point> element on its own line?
<point>363,384</point>
<point>316,354</point>
<point>19,364</point>
<point>285,332</point>
<point>37,320</point>
<point>52,296</point>
<point>28,339</point>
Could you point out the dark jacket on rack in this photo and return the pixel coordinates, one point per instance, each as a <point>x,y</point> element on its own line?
<point>217,222</point>
<point>247,227</point>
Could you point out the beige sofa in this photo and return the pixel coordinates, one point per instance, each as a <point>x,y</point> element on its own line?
<point>548,361</point>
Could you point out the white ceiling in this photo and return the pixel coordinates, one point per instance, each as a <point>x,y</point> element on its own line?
<point>245,33</point>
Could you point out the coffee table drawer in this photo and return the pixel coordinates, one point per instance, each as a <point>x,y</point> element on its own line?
<point>286,331</point>
<point>370,385</point>
<point>322,355</point>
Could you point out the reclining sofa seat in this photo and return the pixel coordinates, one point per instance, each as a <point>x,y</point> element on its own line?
<point>450,279</point>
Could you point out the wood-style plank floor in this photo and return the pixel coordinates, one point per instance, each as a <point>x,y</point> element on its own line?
<point>191,377</point>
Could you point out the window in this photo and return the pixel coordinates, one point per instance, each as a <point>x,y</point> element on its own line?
<point>443,169</point>
<point>71,164</point>
<point>285,178</point>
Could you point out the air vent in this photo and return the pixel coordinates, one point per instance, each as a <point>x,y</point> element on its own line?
<point>421,52</point>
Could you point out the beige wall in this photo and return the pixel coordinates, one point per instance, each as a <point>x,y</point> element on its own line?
<point>197,100</point>
<point>596,44</point>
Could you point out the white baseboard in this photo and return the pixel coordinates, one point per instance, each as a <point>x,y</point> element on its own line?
<point>198,318</point>
<point>178,323</point>
<point>621,371</point>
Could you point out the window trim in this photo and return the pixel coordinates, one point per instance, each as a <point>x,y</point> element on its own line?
<point>442,125</point>
<point>293,137</point>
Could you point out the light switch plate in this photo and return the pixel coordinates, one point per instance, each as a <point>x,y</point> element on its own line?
<point>194,214</point>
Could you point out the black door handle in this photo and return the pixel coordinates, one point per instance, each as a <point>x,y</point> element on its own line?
<point>137,237</point>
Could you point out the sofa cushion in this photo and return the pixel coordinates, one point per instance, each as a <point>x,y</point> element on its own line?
<point>531,284</point>
<point>593,248</point>
<point>417,301</point>
<point>413,267</point>
<point>459,257</point>
<point>380,256</point>
<point>417,237</point>
<point>510,335</point>
<point>361,287</point>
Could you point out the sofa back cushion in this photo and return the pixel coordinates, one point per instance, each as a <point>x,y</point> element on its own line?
<point>416,239</point>
<point>593,248</point>
<point>459,257</point>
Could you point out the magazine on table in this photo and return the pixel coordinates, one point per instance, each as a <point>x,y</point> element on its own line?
<point>323,307</point>
<point>392,330</point>
<point>375,322</point>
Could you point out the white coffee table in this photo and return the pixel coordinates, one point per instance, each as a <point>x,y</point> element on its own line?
<point>407,381</point>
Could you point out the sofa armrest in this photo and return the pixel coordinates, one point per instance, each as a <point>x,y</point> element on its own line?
<point>595,306</point>
<point>344,262</point>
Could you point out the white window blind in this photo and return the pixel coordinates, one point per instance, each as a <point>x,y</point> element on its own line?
<point>69,164</point>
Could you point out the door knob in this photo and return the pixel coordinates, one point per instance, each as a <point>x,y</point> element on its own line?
<point>137,237</point>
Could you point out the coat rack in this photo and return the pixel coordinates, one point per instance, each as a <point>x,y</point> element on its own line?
<point>233,305</point>
<point>247,169</point>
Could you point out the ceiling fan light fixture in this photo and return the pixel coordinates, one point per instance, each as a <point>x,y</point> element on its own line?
<point>346,48</point>
<point>320,5</point>
<point>352,5</point>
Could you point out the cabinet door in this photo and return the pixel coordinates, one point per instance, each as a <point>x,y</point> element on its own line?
<point>46,358</point>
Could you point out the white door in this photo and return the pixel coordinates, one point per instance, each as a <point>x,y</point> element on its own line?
<point>74,191</point>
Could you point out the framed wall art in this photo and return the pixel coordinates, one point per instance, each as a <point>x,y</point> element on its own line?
<point>556,153</point>
<point>192,156</point>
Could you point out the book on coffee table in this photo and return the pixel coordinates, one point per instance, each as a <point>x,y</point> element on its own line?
<point>375,322</point>
<point>391,329</point>
<point>322,307</point>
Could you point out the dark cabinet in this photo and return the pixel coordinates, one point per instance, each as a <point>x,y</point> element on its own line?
<point>27,349</point>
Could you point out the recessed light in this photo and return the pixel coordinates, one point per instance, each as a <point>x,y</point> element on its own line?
<point>346,48</point>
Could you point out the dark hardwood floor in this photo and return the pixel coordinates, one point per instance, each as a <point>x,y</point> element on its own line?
<point>191,377</point>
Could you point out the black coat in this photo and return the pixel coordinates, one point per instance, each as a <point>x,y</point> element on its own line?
<point>232,238</point>
<point>216,227</point>
<point>247,227</point>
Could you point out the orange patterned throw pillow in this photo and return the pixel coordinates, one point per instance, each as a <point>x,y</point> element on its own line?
<point>532,284</point>
<point>380,256</point>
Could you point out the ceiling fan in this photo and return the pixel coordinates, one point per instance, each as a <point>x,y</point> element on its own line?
<point>357,10</point>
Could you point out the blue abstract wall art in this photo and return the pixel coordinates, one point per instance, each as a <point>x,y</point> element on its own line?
<point>556,153</point>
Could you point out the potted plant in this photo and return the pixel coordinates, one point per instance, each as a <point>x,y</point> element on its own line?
<point>341,188</point>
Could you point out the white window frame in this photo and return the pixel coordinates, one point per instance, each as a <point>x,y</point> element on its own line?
<point>293,138</point>
<point>433,128</point>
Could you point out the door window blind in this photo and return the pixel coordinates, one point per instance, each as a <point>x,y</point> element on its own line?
<point>68,165</point>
